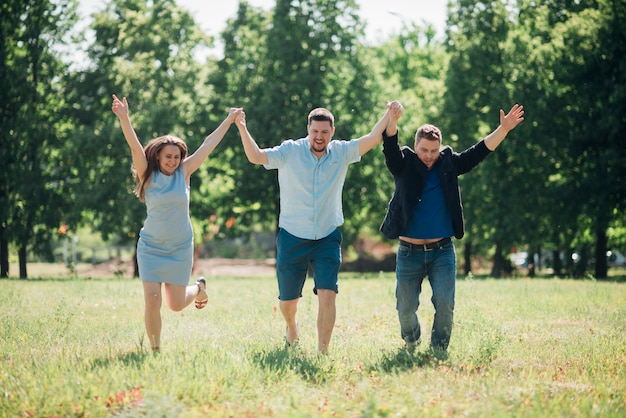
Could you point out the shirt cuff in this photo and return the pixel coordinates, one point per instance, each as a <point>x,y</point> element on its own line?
<point>394,136</point>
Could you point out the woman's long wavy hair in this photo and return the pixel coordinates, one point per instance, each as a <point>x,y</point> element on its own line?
<point>152,150</point>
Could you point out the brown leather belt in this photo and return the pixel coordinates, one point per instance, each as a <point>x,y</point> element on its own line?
<point>426,247</point>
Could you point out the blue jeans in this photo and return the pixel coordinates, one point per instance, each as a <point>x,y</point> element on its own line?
<point>412,265</point>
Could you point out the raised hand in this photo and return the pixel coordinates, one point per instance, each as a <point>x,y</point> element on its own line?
<point>513,118</point>
<point>233,112</point>
<point>119,107</point>
<point>395,109</point>
<point>240,119</point>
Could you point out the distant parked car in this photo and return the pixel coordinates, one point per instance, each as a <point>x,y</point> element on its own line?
<point>520,259</point>
<point>615,259</point>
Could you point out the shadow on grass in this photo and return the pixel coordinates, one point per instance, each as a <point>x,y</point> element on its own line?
<point>281,361</point>
<point>67,279</point>
<point>403,360</point>
<point>133,359</point>
<point>618,277</point>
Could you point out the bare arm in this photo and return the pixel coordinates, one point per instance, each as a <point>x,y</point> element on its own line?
<point>195,160</point>
<point>253,152</point>
<point>120,108</point>
<point>507,123</point>
<point>375,137</point>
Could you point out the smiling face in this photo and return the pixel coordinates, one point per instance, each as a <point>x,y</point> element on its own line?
<point>169,159</point>
<point>321,128</point>
<point>320,134</point>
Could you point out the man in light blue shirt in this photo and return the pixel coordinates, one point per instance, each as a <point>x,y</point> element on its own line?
<point>311,175</point>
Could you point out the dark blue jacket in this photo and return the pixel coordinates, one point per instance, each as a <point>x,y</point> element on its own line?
<point>409,174</point>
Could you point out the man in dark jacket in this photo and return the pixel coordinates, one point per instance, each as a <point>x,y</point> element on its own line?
<point>425,212</point>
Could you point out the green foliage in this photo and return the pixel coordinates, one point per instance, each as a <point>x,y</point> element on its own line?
<point>141,51</point>
<point>556,186</point>
<point>239,80</point>
<point>481,81</point>
<point>519,347</point>
<point>279,66</point>
<point>34,179</point>
<point>556,182</point>
<point>574,73</point>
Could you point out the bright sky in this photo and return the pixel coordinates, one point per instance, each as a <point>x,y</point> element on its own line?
<point>381,18</point>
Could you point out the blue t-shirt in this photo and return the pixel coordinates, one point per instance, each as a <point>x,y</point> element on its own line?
<point>310,188</point>
<point>431,217</point>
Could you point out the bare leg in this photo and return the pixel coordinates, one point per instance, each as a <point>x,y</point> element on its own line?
<point>289,308</point>
<point>152,314</point>
<point>179,297</point>
<point>326,315</point>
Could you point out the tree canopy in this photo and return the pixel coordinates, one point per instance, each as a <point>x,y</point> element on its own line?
<point>557,182</point>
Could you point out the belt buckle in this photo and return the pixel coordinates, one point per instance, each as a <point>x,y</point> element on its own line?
<point>425,247</point>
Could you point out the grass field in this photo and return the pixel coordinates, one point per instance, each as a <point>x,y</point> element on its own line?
<point>75,347</point>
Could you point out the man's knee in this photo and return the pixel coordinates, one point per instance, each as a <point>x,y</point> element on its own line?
<point>326,298</point>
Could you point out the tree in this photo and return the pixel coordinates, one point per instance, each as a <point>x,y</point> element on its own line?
<point>480,81</point>
<point>243,201</point>
<point>590,47</point>
<point>573,54</point>
<point>34,184</point>
<point>144,51</point>
<point>280,66</point>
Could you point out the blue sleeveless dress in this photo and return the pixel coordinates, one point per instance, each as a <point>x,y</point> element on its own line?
<point>165,247</point>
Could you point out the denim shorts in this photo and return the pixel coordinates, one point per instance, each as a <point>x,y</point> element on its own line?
<point>293,256</point>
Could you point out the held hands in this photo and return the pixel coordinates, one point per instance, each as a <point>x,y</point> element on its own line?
<point>119,107</point>
<point>394,111</point>
<point>233,113</point>
<point>240,119</point>
<point>513,118</point>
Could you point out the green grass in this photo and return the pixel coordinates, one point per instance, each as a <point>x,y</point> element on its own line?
<point>520,348</point>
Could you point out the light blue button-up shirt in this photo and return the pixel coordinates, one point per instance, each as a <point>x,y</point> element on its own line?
<point>311,189</point>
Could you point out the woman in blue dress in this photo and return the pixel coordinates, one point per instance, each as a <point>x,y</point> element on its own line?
<point>165,247</point>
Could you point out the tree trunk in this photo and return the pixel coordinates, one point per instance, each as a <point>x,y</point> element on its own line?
<point>501,265</point>
<point>4,254</point>
<point>556,263</point>
<point>22,256</point>
<point>600,253</point>
<point>467,257</point>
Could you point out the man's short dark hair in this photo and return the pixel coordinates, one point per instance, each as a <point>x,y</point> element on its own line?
<point>321,114</point>
<point>428,131</point>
